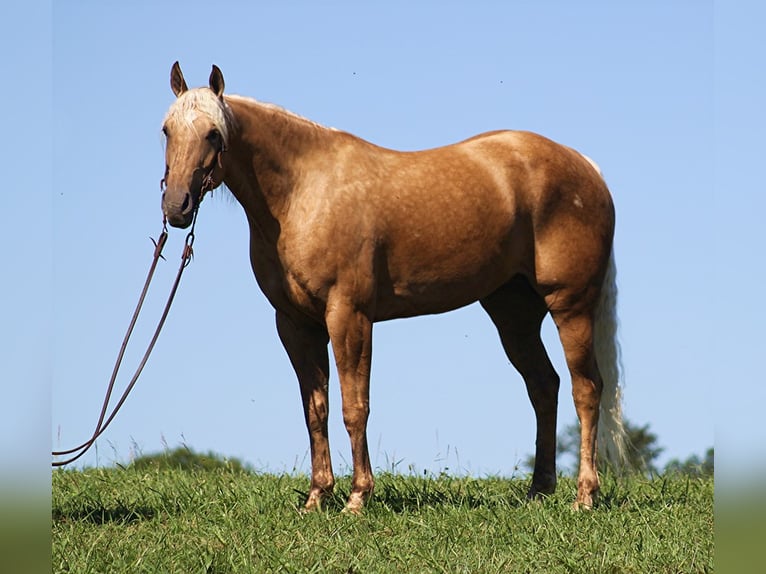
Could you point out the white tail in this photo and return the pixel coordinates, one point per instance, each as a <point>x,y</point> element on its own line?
<point>611,432</point>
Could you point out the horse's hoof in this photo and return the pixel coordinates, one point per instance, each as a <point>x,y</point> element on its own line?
<point>314,502</point>
<point>355,504</point>
<point>584,501</point>
<point>539,491</point>
<point>543,484</point>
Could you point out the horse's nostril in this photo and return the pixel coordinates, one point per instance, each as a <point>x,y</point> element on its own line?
<point>186,204</point>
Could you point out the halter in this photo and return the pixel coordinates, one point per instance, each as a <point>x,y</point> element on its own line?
<point>207,181</point>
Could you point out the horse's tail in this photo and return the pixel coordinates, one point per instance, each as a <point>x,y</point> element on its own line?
<point>611,432</point>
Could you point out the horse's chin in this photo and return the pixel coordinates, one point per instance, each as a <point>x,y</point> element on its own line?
<point>180,220</point>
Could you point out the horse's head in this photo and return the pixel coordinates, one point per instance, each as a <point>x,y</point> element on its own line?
<point>196,129</point>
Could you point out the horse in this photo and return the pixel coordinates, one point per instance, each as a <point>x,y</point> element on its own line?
<point>344,233</point>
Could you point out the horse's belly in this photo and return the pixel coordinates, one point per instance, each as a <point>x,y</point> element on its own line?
<point>451,264</point>
<point>428,287</point>
<point>413,304</point>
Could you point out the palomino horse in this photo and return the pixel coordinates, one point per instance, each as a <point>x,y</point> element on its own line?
<point>344,233</point>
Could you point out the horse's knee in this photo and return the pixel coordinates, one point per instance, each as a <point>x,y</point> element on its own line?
<point>355,417</point>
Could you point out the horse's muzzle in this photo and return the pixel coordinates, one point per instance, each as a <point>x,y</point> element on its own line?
<point>179,213</point>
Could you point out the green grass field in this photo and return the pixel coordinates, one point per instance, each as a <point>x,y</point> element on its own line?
<point>215,521</point>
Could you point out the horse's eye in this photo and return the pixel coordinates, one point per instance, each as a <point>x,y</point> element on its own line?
<point>214,137</point>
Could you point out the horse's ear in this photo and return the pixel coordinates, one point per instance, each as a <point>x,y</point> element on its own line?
<point>216,81</point>
<point>177,82</point>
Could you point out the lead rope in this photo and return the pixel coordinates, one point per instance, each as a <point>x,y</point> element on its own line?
<point>102,424</point>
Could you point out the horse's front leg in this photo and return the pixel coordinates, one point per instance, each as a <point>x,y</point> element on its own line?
<point>351,335</point>
<point>306,345</point>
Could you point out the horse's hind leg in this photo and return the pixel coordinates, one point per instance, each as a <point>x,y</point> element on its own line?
<point>306,345</point>
<point>575,325</point>
<point>518,311</point>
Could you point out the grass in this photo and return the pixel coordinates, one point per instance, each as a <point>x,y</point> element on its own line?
<point>220,521</point>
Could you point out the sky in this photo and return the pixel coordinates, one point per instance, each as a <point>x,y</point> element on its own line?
<point>665,96</point>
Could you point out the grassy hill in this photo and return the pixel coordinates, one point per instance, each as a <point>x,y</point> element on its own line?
<point>230,520</point>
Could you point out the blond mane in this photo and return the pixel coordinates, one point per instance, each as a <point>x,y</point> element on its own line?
<point>279,110</point>
<point>202,101</point>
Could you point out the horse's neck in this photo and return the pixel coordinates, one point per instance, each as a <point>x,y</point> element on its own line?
<point>266,152</point>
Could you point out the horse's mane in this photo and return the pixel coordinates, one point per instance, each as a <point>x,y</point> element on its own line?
<point>203,101</point>
<point>280,111</point>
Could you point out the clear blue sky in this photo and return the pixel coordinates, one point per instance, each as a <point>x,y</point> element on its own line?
<point>665,96</point>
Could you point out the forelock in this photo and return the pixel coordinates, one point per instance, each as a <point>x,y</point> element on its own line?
<point>202,102</point>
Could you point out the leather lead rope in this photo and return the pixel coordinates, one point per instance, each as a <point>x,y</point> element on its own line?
<point>103,420</point>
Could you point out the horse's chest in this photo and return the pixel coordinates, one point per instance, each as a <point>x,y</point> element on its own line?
<point>289,288</point>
